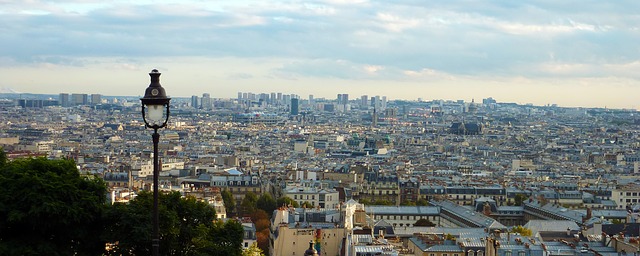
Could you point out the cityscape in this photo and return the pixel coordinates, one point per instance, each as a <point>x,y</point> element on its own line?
<point>365,174</point>
<point>320,127</point>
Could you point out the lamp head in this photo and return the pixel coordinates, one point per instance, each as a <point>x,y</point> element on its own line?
<point>155,101</point>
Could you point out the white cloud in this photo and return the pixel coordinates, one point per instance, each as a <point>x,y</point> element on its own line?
<point>332,39</point>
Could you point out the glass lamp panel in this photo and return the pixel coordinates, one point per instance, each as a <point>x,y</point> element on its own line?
<point>155,114</point>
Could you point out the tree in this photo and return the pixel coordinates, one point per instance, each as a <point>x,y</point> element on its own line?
<point>266,203</point>
<point>365,201</point>
<point>286,201</point>
<point>382,202</point>
<point>408,203</point>
<point>253,250</point>
<point>187,227</point>
<point>449,237</point>
<point>307,204</point>
<point>422,202</point>
<point>521,230</point>
<point>48,208</point>
<point>519,198</point>
<point>3,157</point>
<point>225,238</point>
<point>229,202</point>
<point>248,204</point>
<point>424,223</point>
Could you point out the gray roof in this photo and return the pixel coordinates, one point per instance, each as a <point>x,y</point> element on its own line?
<point>402,210</point>
<point>551,225</point>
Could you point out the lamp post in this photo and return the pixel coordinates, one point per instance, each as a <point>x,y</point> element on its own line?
<point>154,104</point>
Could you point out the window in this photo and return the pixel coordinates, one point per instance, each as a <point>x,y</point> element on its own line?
<point>521,253</point>
<point>470,253</point>
<point>507,253</point>
<point>246,244</point>
<point>480,253</point>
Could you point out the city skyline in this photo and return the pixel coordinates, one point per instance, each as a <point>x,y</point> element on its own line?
<point>574,54</point>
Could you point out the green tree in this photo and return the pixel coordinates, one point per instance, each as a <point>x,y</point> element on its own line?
<point>424,223</point>
<point>48,208</point>
<point>449,237</point>
<point>266,203</point>
<point>187,226</point>
<point>225,238</point>
<point>306,204</point>
<point>521,230</point>
<point>365,201</point>
<point>229,202</point>
<point>408,203</point>
<point>286,201</point>
<point>3,157</point>
<point>253,250</point>
<point>248,204</point>
<point>382,202</point>
<point>422,202</point>
<point>519,198</point>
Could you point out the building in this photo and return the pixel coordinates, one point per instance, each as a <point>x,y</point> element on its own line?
<point>96,99</point>
<point>257,118</point>
<point>292,229</point>
<point>194,101</point>
<point>79,99</point>
<point>206,103</point>
<point>63,99</point>
<point>295,108</point>
<point>626,196</point>
<point>316,196</point>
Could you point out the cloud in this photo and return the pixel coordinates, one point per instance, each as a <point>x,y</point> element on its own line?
<point>338,39</point>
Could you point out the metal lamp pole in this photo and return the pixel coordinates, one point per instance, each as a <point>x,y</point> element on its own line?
<point>155,113</point>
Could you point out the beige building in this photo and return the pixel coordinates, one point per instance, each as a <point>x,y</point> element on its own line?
<point>290,233</point>
<point>317,196</point>
<point>626,195</point>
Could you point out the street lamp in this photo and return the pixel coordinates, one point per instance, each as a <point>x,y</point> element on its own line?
<point>154,105</point>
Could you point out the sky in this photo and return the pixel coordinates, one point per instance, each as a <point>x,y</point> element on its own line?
<point>582,53</point>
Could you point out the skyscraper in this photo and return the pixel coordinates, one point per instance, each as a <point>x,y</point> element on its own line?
<point>383,104</point>
<point>294,107</point>
<point>194,101</point>
<point>96,99</point>
<point>343,99</point>
<point>205,103</point>
<point>79,99</point>
<point>364,101</point>
<point>64,100</point>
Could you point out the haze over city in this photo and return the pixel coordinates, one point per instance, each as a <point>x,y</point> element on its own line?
<point>572,53</point>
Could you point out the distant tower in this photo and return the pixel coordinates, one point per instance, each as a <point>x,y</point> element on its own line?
<point>194,101</point>
<point>383,102</point>
<point>294,107</point>
<point>64,100</point>
<point>364,101</point>
<point>374,118</point>
<point>205,103</point>
<point>96,99</point>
